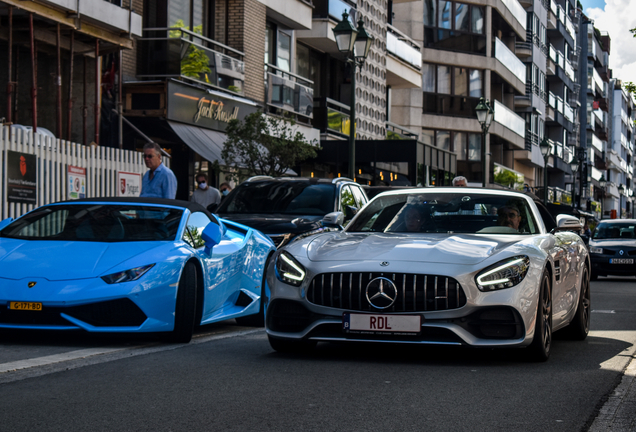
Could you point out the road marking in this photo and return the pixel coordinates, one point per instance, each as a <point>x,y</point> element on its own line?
<point>57,358</point>
<point>135,350</point>
<point>604,311</point>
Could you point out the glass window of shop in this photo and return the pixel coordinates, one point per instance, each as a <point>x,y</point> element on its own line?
<point>467,147</point>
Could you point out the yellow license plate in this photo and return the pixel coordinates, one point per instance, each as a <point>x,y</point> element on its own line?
<point>32,306</point>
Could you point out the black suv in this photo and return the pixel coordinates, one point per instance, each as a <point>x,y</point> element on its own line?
<point>287,209</point>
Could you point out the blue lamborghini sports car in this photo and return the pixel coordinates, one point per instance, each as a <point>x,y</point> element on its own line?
<point>129,265</point>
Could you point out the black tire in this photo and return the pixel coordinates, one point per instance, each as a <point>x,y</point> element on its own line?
<point>185,309</point>
<point>580,325</point>
<point>291,346</point>
<point>258,319</point>
<point>594,276</point>
<point>542,342</point>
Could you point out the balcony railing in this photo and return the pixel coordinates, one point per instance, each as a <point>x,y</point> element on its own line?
<point>395,131</point>
<point>508,118</point>
<point>568,112</point>
<point>331,116</point>
<point>289,92</point>
<point>596,142</point>
<point>510,60</point>
<point>175,52</point>
<point>555,195</point>
<point>557,56</point>
<point>517,11</point>
<point>569,70</point>
<point>403,47</point>
<point>598,81</point>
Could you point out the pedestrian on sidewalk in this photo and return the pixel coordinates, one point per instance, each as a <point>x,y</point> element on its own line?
<point>159,181</point>
<point>204,194</point>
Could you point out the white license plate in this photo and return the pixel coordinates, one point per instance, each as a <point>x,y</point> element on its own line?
<point>621,260</point>
<point>381,323</point>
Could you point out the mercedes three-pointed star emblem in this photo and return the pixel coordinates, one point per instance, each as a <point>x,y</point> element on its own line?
<point>381,293</point>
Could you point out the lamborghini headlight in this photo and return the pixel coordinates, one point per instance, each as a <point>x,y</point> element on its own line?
<point>289,270</point>
<point>504,274</point>
<point>127,275</point>
<point>596,250</point>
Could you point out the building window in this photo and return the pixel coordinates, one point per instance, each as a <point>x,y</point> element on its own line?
<point>277,47</point>
<point>454,26</point>
<point>451,90</point>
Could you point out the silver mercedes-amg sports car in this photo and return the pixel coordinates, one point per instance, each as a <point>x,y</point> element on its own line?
<point>451,266</point>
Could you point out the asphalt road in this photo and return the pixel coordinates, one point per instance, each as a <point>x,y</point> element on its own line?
<point>228,378</point>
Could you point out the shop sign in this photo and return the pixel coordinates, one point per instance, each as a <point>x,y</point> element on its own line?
<point>129,184</point>
<point>191,105</point>
<point>21,177</point>
<point>76,182</point>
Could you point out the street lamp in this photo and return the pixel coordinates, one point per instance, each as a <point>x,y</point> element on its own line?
<point>621,190</point>
<point>355,44</point>
<point>602,183</point>
<point>574,166</point>
<point>485,114</point>
<point>545,148</point>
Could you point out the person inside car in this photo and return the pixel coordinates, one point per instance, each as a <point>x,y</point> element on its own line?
<point>413,219</point>
<point>508,216</point>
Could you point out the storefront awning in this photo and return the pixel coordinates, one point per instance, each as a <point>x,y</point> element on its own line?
<point>206,142</point>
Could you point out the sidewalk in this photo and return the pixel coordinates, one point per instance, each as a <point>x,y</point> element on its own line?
<point>619,412</point>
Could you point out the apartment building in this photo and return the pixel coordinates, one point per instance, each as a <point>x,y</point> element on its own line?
<point>594,76</point>
<point>619,155</point>
<point>561,123</point>
<point>202,63</point>
<point>59,59</point>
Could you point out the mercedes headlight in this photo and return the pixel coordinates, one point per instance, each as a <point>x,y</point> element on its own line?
<point>289,270</point>
<point>127,275</point>
<point>504,274</point>
<point>596,250</point>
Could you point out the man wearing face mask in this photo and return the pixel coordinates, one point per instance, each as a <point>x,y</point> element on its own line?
<point>204,194</point>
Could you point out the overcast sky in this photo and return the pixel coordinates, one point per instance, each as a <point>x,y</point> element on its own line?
<point>616,17</point>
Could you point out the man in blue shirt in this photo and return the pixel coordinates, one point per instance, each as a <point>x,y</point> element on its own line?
<point>159,181</point>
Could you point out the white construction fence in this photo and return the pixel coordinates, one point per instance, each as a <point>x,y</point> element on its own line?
<point>38,170</point>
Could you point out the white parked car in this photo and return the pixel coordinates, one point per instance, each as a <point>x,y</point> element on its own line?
<point>463,266</point>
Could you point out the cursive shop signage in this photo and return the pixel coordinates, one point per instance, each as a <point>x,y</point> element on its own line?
<point>211,110</point>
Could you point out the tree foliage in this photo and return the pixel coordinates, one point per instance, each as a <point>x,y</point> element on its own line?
<point>264,145</point>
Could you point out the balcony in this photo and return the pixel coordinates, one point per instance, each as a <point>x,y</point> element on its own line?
<point>295,14</point>
<point>598,82</point>
<point>404,63</point>
<point>397,132</point>
<point>327,13</point>
<point>102,12</point>
<point>179,53</point>
<point>517,11</point>
<point>555,195</point>
<point>509,119</point>
<point>523,49</point>
<point>331,117</point>
<point>288,92</point>
<point>510,60</point>
<point>597,143</point>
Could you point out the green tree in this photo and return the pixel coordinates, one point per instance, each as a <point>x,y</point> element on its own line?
<point>264,145</point>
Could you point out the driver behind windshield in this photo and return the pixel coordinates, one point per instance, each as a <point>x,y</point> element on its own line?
<point>413,219</point>
<point>509,216</point>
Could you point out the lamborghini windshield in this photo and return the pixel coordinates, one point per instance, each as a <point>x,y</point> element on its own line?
<point>96,223</point>
<point>450,212</point>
